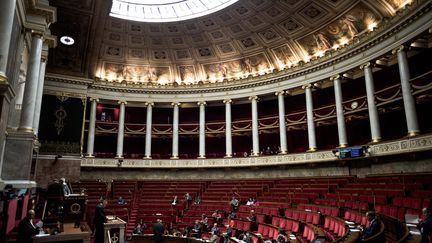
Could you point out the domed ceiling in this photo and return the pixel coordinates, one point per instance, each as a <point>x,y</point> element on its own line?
<point>247,38</point>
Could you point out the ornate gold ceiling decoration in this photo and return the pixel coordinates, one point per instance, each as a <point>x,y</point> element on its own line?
<point>248,40</point>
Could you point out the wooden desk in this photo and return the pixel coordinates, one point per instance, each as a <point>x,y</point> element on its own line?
<point>69,234</point>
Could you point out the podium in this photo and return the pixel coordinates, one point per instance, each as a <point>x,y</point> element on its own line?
<point>69,233</point>
<point>114,230</point>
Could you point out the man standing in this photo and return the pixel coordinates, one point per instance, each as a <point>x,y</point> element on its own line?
<point>234,204</point>
<point>158,230</point>
<point>99,220</point>
<point>26,228</point>
<point>425,225</point>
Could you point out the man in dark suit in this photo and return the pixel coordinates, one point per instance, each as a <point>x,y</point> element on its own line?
<point>373,228</point>
<point>425,225</point>
<point>158,230</point>
<point>99,220</point>
<point>26,228</point>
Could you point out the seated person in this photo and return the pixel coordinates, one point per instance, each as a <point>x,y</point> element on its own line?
<point>204,221</point>
<point>214,237</point>
<point>373,227</point>
<point>250,202</point>
<point>217,217</point>
<point>282,236</point>
<point>197,229</point>
<point>26,228</point>
<point>226,239</point>
<point>174,201</point>
<point>245,238</point>
<point>121,201</point>
<point>197,200</point>
<point>252,219</point>
<point>176,233</point>
<point>229,231</point>
<point>425,225</point>
<point>138,229</point>
<point>232,215</point>
<point>215,228</point>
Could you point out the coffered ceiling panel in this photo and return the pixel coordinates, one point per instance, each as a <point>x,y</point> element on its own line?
<point>248,38</point>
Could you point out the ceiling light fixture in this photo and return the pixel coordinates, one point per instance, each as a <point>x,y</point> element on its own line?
<point>67,40</point>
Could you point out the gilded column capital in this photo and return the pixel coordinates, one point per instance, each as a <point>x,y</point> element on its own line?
<point>335,77</point>
<point>307,86</point>
<point>3,78</point>
<point>175,103</point>
<point>399,49</point>
<point>37,34</point>
<point>200,103</point>
<point>149,104</point>
<point>227,101</point>
<point>280,92</point>
<point>44,58</point>
<point>94,99</point>
<point>366,65</point>
<point>122,102</point>
<point>254,97</point>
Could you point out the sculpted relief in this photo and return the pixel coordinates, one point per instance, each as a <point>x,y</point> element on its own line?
<point>338,33</point>
<point>237,68</point>
<point>137,73</point>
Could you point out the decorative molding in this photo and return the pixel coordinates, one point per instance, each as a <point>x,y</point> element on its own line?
<point>406,145</point>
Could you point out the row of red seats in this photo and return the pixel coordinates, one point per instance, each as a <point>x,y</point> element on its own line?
<point>335,226</point>
<point>308,217</point>
<point>308,234</point>
<point>326,210</point>
<point>355,217</point>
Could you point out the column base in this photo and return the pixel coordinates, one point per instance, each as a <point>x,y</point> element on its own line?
<point>119,157</point>
<point>375,140</point>
<point>228,156</point>
<point>25,129</point>
<point>174,157</point>
<point>283,152</point>
<point>147,157</point>
<point>89,156</point>
<point>313,149</point>
<point>413,133</point>
<point>254,155</point>
<point>201,157</point>
<point>343,145</point>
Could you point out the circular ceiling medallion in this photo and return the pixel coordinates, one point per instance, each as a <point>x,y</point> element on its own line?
<point>165,10</point>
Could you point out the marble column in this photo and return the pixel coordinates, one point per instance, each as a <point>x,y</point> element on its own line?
<point>31,85</point>
<point>340,118</point>
<point>372,109</point>
<point>148,130</point>
<point>310,118</point>
<point>202,153</point>
<point>120,134</point>
<point>228,129</point>
<point>91,129</point>
<point>408,99</point>
<point>175,129</point>
<point>6,23</point>
<point>39,95</point>
<point>255,134</point>
<point>282,124</point>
